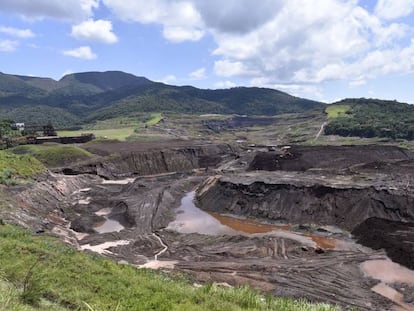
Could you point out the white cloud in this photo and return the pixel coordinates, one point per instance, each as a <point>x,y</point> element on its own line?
<point>180,20</point>
<point>301,90</point>
<point>168,79</point>
<point>15,32</point>
<point>225,84</point>
<point>287,42</point>
<point>67,72</point>
<point>8,45</point>
<point>98,31</point>
<point>198,74</point>
<point>83,52</point>
<point>237,16</point>
<point>179,34</point>
<point>393,9</point>
<point>58,9</point>
<point>358,82</point>
<point>226,68</point>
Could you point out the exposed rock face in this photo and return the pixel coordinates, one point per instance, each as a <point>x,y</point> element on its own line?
<point>303,198</point>
<point>141,159</point>
<point>302,158</point>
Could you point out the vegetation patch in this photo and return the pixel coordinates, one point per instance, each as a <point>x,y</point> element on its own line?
<point>52,154</point>
<point>41,266</point>
<point>115,133</point>
<point>336,111</point>
<point>15,167</point>
<point>119,128</point>
<point>373,118</point>
<point>155,118</point>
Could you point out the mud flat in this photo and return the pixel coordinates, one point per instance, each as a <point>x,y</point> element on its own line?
<point>285,231</point>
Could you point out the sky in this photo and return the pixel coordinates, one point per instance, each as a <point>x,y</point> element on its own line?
<point>324,50</point>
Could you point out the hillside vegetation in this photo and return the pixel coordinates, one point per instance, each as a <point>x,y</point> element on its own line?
<point>91,96</point>
<point>371,118</point>
<point>37,268</point>
<point>14,168</point>
<point>53,154</point>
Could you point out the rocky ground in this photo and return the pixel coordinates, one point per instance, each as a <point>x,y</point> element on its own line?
<point>122,206</point>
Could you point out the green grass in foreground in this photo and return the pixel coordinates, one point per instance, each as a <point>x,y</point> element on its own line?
<point>79,281</point>
<point>335,111</point>
<point>14,167</point>
<point>52,154</point>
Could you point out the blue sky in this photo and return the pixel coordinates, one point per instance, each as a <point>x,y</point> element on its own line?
<point>322,49</point>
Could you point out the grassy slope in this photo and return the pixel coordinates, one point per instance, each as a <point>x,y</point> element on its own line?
<point>335,111</point>
<point>118,133</point>
<point>14,167</point>
<point>53,155</point>
<point>74,280</point>
<point>118,128</point>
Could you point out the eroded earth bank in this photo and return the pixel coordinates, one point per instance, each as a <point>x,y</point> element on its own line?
<point>332,224</point>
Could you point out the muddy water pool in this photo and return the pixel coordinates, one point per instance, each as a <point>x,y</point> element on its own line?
<point>389,273</point>
<point>108,225</point>
<point>191,219</point>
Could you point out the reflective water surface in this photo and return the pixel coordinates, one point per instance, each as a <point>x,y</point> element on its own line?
<point>191,219</point>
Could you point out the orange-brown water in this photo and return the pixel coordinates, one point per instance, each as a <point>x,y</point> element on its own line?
<point>191,219</point>
<point>247,225</point>
<point>251,226</point>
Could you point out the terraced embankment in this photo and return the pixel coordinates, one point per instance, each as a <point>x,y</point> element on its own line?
<point>128,159</point>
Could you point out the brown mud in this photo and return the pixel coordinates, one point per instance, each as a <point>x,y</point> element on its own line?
<point>281,231</point>
<point>395,237</point>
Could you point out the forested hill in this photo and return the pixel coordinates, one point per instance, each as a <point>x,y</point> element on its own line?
<point>90,96</point>
<point>371,118</point>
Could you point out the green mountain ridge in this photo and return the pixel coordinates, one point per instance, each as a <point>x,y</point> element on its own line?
<point>369,118</point>
<point>91,96</point>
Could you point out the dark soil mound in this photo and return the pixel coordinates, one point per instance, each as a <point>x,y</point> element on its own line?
<point>302,158</point>
<point>397,238</point>
<point>237,122</point>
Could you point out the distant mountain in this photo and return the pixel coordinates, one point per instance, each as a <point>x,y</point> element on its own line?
<point>89,96</point>
<point>106,81</point>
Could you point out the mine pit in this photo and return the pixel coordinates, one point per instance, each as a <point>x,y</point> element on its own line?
<point>284,229</point>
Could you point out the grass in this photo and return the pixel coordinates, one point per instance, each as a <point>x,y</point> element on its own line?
<point>335,111</point>
<point>10,300</point>
<point>117,128</point>
<point>80,281</point>
<point>16,167</point>
<point>114,133</point>
<point>52,154</point>
<point>155,118</point>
